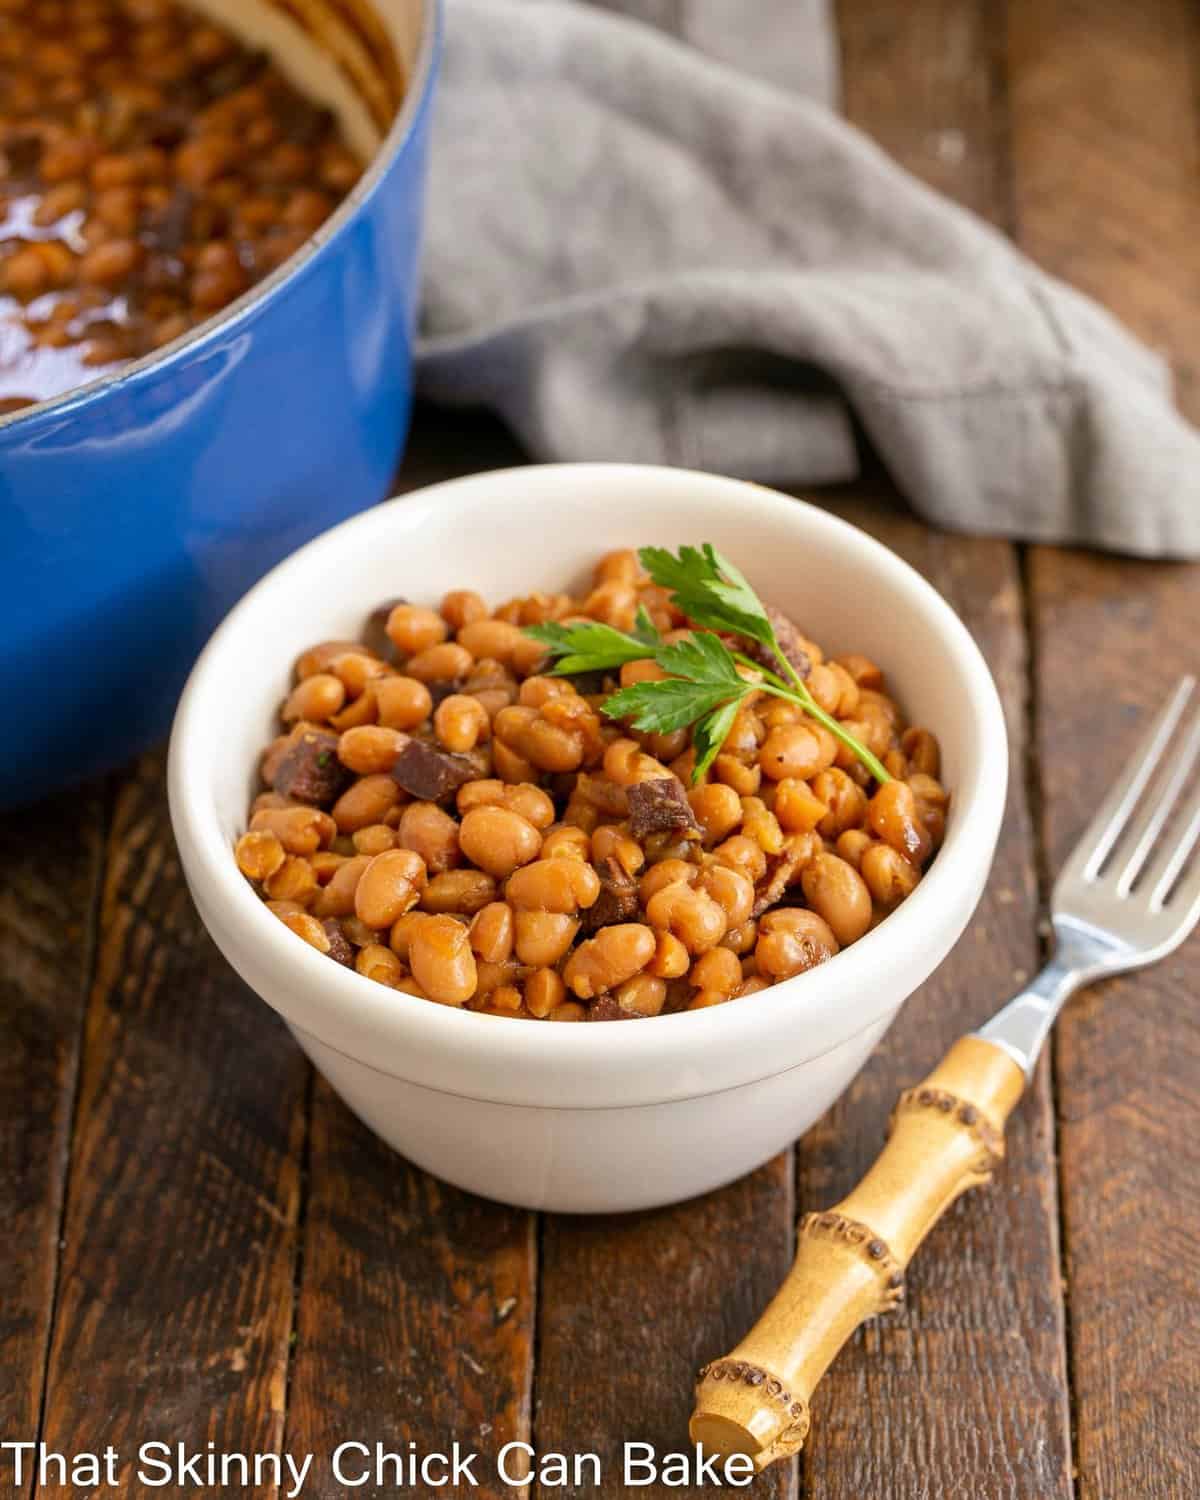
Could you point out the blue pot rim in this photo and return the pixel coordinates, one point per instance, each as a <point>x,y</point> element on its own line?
<point>416,101</point>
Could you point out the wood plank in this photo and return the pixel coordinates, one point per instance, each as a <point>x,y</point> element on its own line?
<point>1106,141</point>
<point>1106,159</point>
<point>963,1390</point>
<point>1127,1053</point>
<point>631,1307</point>
<point>175,1299</point>
<point>51,857</point>
<point>416,1301</point>
<point>416,1311</point>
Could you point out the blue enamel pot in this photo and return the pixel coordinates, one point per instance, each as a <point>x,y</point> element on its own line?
<point>134,511</point>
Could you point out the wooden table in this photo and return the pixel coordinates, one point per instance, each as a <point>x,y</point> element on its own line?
<point>197,1242</point>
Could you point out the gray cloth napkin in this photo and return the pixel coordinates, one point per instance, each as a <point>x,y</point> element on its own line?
<point>668,249</point>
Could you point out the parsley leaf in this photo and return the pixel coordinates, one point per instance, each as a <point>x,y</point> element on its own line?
<point>592,646</point>
<point>709,735</point>
<point>703,688</point>
<point>709,590</point>
<point>704,677</point>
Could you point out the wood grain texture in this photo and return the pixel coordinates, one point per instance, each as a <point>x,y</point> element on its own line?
<point>1106,160</point>
<point>1127,1052</point>
<point>175,1302</point>
<point>1106,150</point>
<point>416,1301</point>
<point>631,1308</point>
<point>963,1390</point>
<point>416,1310</point>
<point>51,858</point>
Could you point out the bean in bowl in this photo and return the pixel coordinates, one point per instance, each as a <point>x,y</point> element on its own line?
<point>152,168</point>
<point>660,796</point>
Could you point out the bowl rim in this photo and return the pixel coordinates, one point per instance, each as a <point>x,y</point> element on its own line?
<point>416,99</point>
<point>588,1067</point>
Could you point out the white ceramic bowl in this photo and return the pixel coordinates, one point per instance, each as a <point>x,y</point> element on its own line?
<point>607,1117</point>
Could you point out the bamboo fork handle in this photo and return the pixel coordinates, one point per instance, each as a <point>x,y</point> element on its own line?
<point>946,1135</point>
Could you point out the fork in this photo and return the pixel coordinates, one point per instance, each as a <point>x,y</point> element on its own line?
<point>1125,898</point>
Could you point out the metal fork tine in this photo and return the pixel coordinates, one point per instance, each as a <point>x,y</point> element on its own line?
<point>1150,820</point>
<point>1168,866</point>
<point>1113,813</point>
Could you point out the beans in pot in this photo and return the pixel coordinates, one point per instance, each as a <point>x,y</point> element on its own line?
<point>152,169</point>
<point>445,816</point>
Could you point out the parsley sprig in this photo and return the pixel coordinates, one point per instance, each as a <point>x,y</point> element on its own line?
<point>706,682</point>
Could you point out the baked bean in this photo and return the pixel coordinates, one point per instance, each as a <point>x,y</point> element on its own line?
<point>492,932</point>
<point>793,750</point>
<point>607,960</point>
<point>376,962</point>
<point>625,762</point>
<point>374,839</point>
<point>852,845</point>
<point>923,751</point>
<point>671,958</point>
<point>861,669</point>
<point>463,607</point>
<point>892,815</point>
<point>717,809</point>
<point>495,639</point>
<point>761,825</point>
<point>643,995</point>
<point>390,885</point>
<point>562,841</point>
<point>542,937</point>
<point>357,670</point>
<point>889,876</point>
<point>845,799</point>
<point>543,744</point>
<point>544,829</point>
<point>370,750</point>
<point>367,801</point>
<point>461,722</point>
<point>294,880</point>
<point>356,931</point>
<point>498,840</point>
<point>308,928</point>
<point>301,830</point>
<point>441,960</point>
<point>797,807</point>
<point>619,566</point>
<point>744,854</point>
<point>464,891</point>
<point>402,702</point>
<point>431,833</point>
<point>691,914</point>
<point>730,889</point>
<point>445,663</point>
<point>662,874</point>
<point>741,939</point>
<point>529,801</point>
<point>315,699</point>
<point>557,885</point>
<point>412,629</point>
<point>744,779</point>
<point>614,842</point>
<point>837,892</point>
<point>716,975</point>
<point>510,766</point>
<point>544,990</point>
<point>336,899</point>
<point>259,854</point>
<point>791,941</point>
